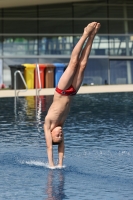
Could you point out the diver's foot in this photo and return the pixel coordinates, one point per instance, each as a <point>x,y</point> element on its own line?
<point>89,29</point>
<point>96,29</point>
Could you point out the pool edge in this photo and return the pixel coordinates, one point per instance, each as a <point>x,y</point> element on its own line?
<point>82,90</point>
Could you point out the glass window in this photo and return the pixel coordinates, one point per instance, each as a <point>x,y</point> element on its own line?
<point>96,72</point>
<point>130,27</point>
<point>79,25</point>
<point>130,11</point>
<point>131,63</point>
<point>55,26</point>
<point>118,45</point>
<point>116,11</point>
<point>56,10</point>
<point>90,11</point>
<point>20,45</point>
<point>100,45</point>
<point>131,45</point>
<point>121,72</point>
<point>20,26</point>
<point>1,41</point>
<point>1,38</point>
<point>118,72</point>
<point>116,27</point>
<point>56,45</point>
<point>0,21</point>
<point>22,12</point>
<point>104,27</point>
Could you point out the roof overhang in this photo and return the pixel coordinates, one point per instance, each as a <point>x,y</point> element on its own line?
<point>18,3</point>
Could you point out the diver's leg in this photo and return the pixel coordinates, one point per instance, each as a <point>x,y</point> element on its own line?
<point>68,76</point>
<point>84,59</point>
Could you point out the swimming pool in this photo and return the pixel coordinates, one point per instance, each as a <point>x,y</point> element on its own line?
<point>98,160</point>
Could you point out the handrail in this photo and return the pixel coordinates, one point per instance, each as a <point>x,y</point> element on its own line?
<point>38,73</point>
<point>37,90</point>
<point>16,93</point>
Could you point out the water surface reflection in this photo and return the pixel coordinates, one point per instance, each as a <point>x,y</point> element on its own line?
<point>55,185</point>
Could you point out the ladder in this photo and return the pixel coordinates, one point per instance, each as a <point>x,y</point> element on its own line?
<point>18,91</point>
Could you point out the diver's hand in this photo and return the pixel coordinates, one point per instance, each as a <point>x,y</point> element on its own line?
<point>59,166</point>
<point>52,166</point>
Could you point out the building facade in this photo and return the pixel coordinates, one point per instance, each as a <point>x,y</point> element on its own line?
<point>48,33</point>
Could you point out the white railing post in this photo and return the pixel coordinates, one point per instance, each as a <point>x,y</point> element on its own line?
<point>16,93</point>
<point>37,74</point>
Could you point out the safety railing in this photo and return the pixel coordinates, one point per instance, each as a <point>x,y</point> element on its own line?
<point>38,89</point>
<point>17,92</point>
<point>39,80</point>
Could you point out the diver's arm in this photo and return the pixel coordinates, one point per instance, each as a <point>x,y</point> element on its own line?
<point>48,138</point>
<point>61,148</point>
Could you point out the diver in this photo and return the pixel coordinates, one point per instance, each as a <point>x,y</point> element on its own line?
<point>68,86</point>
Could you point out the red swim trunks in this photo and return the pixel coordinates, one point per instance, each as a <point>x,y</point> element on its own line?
<point>70,91</point>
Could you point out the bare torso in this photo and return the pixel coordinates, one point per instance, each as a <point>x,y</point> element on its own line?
<point>58,111</point>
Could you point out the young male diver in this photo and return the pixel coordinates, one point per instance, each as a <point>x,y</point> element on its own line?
<point>68,86</point>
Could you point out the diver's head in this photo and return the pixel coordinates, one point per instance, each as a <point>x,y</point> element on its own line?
<point>57,135</point>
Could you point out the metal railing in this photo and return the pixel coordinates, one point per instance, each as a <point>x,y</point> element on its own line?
<point>37,91</point>
<point>36,86</point>
<point>17,92</point>
<point>39,80</point>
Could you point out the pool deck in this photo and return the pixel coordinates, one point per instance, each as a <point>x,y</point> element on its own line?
<point>82,90</point>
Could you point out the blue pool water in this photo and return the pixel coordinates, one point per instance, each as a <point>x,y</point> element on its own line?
<point>98,160</point>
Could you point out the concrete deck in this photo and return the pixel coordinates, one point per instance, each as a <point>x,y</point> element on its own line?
<point>82,90</point>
